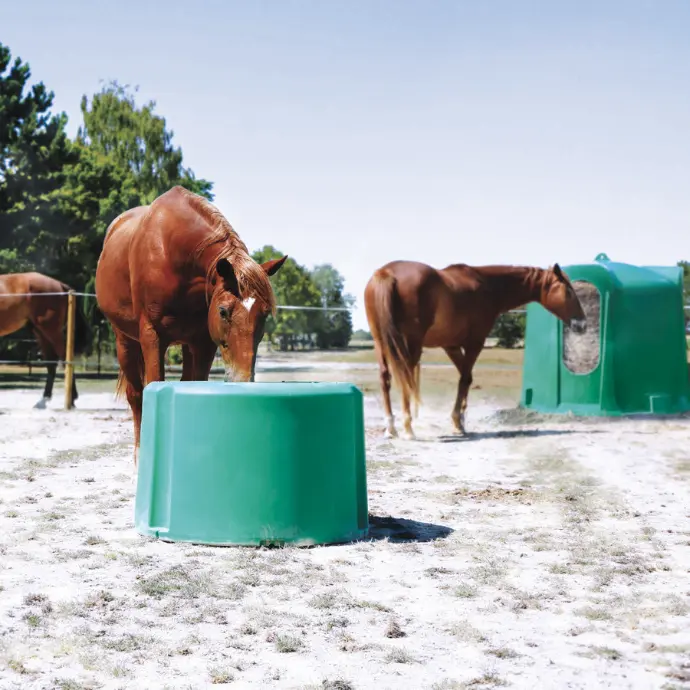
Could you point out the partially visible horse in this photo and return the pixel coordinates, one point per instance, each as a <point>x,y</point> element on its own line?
<point>28,298</point>
<point>176,272</point>
<point>410,306</point>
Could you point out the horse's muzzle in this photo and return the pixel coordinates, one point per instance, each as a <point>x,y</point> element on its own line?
<point>238,377</point>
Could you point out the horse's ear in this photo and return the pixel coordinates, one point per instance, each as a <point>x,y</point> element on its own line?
<point>271,267</point>
<point>227,273</point>
<point>558,272</point>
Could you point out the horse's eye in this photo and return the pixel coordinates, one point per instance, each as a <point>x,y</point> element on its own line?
<point>224,313</point>
<point>223,343</point>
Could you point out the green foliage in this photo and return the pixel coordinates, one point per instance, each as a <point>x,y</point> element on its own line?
<point>334,328</point>
<point>292,285</point>
<point>137,142</point>
<point>509,329</point>
<point>361,334</point>
<point>34,150</point>
<point>685,265</point>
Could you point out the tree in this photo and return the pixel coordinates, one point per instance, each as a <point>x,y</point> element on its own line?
<point>685,265</point>
<point>362,334</point>
<point>136,140</point>
<point>34,150</point>
<point>334,328</point>
<point>293,285</point>
<point>509,329</point>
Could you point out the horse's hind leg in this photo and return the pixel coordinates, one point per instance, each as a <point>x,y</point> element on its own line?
<point>418,380</point>
<point>385,382</point>
<point>415,352</point>
<point>197,360</point>
<point>49,355</point>
<point>204,353</point>
<point>464,360</point>
<point>129,357</point>
<point>187,364</point>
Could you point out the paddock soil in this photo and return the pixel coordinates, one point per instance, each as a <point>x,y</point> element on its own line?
<point>537,552</point>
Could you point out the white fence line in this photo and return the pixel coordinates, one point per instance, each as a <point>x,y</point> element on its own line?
<point>280,306</point>
<point>91,294</point>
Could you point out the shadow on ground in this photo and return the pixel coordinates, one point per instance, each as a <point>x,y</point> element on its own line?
<point>512,433</point>
<point>402,530</point>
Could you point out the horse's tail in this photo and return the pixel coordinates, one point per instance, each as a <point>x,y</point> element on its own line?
<point>417,381</point>
<point>82,331</point>
<point>381,308</point>
<point>121,386</point>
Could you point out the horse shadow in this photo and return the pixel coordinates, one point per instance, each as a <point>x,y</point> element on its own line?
<point>510,433</point>
<point>401,530</point>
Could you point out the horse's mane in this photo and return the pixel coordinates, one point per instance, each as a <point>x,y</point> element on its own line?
<point>251,277</point>
<point>530,275</point>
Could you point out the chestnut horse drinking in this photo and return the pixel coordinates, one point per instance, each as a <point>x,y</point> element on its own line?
<point>410,306</point>
<point>29,298</point>
<point>175,272</point>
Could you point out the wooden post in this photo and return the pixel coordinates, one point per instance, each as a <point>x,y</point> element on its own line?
<point>69,349</point>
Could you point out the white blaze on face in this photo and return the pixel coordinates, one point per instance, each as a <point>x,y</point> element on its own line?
<point>247,303</point>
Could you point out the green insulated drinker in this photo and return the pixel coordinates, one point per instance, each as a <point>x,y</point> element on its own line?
<point>252,463</point>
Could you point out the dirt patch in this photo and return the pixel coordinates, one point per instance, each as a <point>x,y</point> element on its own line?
<point>561,546</point>
<point>494,493</point>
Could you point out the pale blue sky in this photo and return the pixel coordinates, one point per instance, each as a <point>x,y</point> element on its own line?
<point>356,132</point>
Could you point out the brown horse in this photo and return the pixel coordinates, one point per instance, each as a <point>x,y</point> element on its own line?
<point>29,298</point>
<point>175,272</point>
<point>410,306</point>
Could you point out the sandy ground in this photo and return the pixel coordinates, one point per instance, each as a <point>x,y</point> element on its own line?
<point>531,555</point>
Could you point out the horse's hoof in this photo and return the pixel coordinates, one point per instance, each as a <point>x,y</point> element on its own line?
<point>390,433</point>
<point>41,404</point>
<point>409,436</point>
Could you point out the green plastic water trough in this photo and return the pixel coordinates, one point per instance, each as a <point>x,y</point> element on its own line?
<point>252,463</point>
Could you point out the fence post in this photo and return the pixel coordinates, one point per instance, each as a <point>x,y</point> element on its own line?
<point>69,350</point>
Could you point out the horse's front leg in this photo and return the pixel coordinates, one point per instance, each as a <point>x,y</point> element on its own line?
<point>153,351</point>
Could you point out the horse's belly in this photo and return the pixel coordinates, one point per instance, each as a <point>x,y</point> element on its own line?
<point>444,335</point>
<point>12,316</point>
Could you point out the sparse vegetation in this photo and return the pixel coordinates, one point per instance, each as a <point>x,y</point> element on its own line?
<point>286,644</point>
<point>221,676</point>
<point>398,655</point>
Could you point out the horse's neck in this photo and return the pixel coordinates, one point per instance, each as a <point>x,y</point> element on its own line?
<point>514,287</point>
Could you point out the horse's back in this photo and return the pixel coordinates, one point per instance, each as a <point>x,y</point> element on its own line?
<point>28,283</point>
<point>124,224</point>
<point>16,305</point>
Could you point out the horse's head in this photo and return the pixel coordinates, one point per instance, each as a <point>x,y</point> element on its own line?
<point>236,322</point>
<point>560,298</point>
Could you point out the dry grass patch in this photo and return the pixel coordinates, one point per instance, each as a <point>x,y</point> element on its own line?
<point>219,676</point>
<point>398,655</point>
<point>503,653</point>
<point>466,632</point>
<point>288,644</point>
<point>595,613</point>
<point>465,591</point>
<point>603,653</point>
